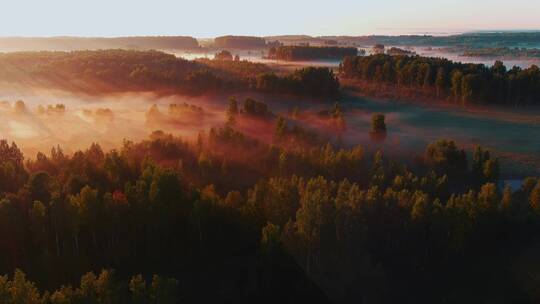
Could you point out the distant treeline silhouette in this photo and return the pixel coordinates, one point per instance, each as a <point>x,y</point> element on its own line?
<point>95,43</point>
<point>239,42</point>
<point>295,52</point>
<point>502,52</point>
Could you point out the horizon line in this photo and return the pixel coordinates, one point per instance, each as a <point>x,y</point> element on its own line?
<point>413,32</point>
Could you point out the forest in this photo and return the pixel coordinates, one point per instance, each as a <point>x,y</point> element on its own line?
<point>394,51</point>
<point>269,197</point>
<point>488,39</point>
<point>443,79</point>
<point>230,218</point>
<point>272,152</point>
<point>109,71</point>
<point>295,53</point>
<point>503,52</point>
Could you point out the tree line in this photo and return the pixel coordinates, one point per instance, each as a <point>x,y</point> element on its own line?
<point>502,52</point>
<point>310,81</point>
<point>239,42</point>
<point>106,287</point>
<point>443,79</point>
<point>296,52</point>
<point>107,71</point>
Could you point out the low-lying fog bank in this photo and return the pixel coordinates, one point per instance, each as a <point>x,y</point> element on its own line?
<point>259,56</point>
<point>511,134</point>
<point>37,120</point>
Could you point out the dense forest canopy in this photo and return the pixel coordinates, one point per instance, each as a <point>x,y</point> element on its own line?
<point>99,71</point>
<point>240,69</point>
<point>229,208</point>
<point>309,81</point>
<point>105,71</point>
<point>444,79</point>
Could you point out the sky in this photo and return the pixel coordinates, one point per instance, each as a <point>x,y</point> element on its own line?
<point>205,18</point>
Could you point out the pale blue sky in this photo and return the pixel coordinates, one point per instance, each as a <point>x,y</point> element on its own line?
<point>204,18</point>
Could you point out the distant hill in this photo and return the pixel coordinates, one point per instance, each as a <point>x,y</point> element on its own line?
<point>95,43</point>
<point>295,39</point>
<point>529,39</point>
<point>239,42</point>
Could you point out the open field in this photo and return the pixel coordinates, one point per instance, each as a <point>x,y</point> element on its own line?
<point>511,134</point>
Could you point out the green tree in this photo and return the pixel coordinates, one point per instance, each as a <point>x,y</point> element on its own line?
<point>507,198</point>
<point>270,239</point>
<point>232,111</point>
<point>108,288</point>
<point>233,199</point>
<point>377,123</point>
<point>40,187</point>
<point>91,210</point>
<point>165,187</point>
<point>421,207</point>
<point>440,81</point>
<point>12,172</point>
<point>456,86</point>
<point>138,289</point>
<point>164,290</point>
<point>23,291</point>
<point>488,197</point>
<point>38,223</point>
<point>445,157</point>
<point>315,214</point>
<point>88,288</point>
<point>491,170</point>
<point>534,198</point>
<point>470,88</point>
<point>280,130</point>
